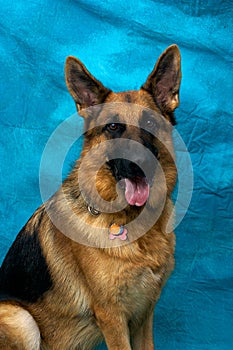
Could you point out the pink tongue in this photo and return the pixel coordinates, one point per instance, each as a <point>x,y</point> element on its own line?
<point>136,191</point>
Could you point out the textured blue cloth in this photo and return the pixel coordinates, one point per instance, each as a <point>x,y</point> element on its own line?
<point>119,41</point>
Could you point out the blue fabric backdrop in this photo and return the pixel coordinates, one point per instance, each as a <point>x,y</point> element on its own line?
<point>120,41</point>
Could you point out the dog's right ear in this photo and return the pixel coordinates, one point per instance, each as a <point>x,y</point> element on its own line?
<point>83,87</point>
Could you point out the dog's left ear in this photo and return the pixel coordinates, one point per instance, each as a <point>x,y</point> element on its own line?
<point>164,81</point>
<point>84,88</point>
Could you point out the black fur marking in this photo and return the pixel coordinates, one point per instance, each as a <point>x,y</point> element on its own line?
<point>128,98</point>
<point>172,118</point>
<point>148,128</point>
<point>24,273</point>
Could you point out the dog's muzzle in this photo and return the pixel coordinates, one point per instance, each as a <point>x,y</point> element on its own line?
<point>134,176</point>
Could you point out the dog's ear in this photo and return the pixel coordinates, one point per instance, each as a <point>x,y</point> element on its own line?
<point>83,87</point>
<point>164,81</point>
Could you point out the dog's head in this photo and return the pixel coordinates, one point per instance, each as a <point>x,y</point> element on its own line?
<point>128,134</point>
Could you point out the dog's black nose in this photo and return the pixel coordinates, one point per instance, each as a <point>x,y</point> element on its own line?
<point>124,168</point>
<point>133,159</point>
<point>129,169</point>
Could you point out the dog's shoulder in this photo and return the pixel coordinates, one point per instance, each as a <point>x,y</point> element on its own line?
<point>24,272</point>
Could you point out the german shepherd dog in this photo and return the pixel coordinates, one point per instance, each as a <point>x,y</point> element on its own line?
<point>89,265</point>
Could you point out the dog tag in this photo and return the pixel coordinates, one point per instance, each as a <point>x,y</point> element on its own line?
<point>117,231</point>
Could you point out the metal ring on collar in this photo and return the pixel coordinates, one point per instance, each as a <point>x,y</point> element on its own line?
<point>93,211</point>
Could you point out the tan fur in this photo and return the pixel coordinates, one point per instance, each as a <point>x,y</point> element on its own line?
<point>18,329</point>
<point>101,290</point>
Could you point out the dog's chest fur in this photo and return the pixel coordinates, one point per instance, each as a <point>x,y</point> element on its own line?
<point>131,279</point>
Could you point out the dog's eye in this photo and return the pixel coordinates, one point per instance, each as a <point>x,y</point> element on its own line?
<point>148,121</point>
<point>113,127</point>
<point>150,124</point>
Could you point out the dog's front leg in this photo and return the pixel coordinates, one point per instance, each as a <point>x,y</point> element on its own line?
<point>114,328</point>
<point>143,338</point>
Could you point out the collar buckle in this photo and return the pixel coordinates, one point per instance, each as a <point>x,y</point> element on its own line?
<point>93,211</point>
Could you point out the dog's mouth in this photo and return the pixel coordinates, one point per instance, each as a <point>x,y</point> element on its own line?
<point>132,180</point>
<point>137,190</point>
